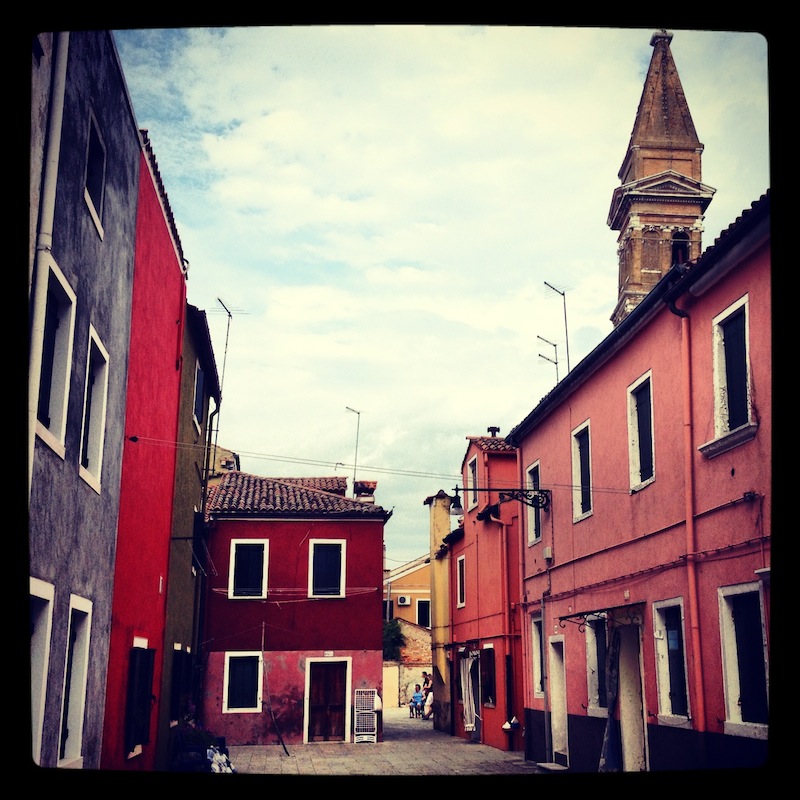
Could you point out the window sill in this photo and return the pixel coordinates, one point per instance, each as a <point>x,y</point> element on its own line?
<point>744,433</point>
<point>674,721</point>
<point>637,487</point>
<point>750,730</point>
<point>51,441</point>
<point>71,763</point>
<point>89,478</point>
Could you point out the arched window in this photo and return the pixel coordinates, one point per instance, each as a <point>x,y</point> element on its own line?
<point>680,247</point>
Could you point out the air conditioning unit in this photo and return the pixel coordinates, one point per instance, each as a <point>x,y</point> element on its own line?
<point>404,600</point>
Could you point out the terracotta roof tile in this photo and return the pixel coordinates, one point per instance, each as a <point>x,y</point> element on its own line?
<point>493,443</point>
<point>241,494</point>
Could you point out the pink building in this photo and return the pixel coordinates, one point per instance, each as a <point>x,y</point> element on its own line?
<point>646,583</point>
<point>294,624</point>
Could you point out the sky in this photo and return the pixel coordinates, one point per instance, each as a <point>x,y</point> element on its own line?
<point>399,232</point>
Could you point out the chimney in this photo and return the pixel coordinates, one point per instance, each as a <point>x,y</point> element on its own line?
<point>365,491</point>
<point>493,430</point>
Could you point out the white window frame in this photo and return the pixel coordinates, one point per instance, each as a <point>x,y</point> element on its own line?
<point>95,212</point>
<point>461,581</point>
<point>420,602</point>
<point>537,654</point>
<point>256,709</point>
<point>665,715</point>
<point>472,483</point>
<point>97,422</point>
<point>534,514</point>
<point>199,388</point>
<point>232,570</point>
<point>634,458</point>
<point>40,659</point>
<point>726,438</point>
<point>730,667</point>
<point>73,756</point>
<point>312,543</point>
<point>577,512</point>
<point>594,709</point>
<point>54,434</point>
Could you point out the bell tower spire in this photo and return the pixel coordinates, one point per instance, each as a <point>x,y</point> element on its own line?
<point>659,207</point>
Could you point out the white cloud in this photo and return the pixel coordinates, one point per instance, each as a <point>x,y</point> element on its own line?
<point>380,207</point>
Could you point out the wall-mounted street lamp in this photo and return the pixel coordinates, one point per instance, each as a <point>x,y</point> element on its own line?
<point>535,498</point>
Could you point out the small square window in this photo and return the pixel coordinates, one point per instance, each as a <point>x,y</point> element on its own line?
<point>326,568</point>
<point>94,411</point>
<point>94,188</point>
<point>461,581</point>
<point>56,364</point>
<point>247,571</point>
<point>581,473</point>
<point>640,433</point>
<point>534,512</point>
<point>243,678</point>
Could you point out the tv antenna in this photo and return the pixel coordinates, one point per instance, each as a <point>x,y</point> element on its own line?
<point>555,348</point>
<point>222,379</point>
<point>566,329</point>
<point>355,461</point>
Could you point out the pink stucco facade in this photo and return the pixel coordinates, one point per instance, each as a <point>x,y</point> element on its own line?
<point>485,651</point>
<point>694,537</point>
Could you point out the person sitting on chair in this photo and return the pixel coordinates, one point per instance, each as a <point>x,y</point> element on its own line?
<point>415,706</point>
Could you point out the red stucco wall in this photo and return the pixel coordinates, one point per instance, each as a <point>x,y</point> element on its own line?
<point>148,469</point>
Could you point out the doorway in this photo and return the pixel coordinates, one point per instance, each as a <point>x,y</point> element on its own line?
<point>558,701</point>
<point>327,706</point>
<point>631,700</point>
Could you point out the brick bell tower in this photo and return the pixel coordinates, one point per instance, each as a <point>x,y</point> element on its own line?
<point>659,207</point>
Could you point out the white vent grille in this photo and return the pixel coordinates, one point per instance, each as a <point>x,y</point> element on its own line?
<point>366,720</point>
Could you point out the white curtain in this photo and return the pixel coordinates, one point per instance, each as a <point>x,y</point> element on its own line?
<point>467,693</point>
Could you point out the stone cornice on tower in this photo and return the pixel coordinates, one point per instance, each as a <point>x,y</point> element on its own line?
<point>664,187</point>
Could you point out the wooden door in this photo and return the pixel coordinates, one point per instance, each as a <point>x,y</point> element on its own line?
<point>327,701</point>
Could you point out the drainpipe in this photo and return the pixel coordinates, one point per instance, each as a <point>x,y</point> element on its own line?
<point>506,626</point>
<point>44,237</point>
<point>698,702</point>
<point>209,465</point>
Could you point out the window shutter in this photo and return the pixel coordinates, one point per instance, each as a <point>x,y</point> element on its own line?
<point>140,696</point>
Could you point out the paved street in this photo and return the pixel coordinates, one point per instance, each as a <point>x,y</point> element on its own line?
<point>410,747</point>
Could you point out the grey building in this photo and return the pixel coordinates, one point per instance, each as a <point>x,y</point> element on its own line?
<point>85,154</point>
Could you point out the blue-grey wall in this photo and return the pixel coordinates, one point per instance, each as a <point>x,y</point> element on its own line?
<point>72,528</point>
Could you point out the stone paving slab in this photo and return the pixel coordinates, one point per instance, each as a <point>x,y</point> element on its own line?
<point>409,747</point>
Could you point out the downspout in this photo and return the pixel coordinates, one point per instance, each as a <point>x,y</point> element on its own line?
<point>699,716</point>
<point>548,745</point>
<point>207,467</point>
<point>44,237</point>
<point>506,626</point>
<point>451,599</point>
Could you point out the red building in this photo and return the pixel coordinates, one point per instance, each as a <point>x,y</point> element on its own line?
<point>294,625</point>
<point>485,646</point>
<point>147,484</point>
